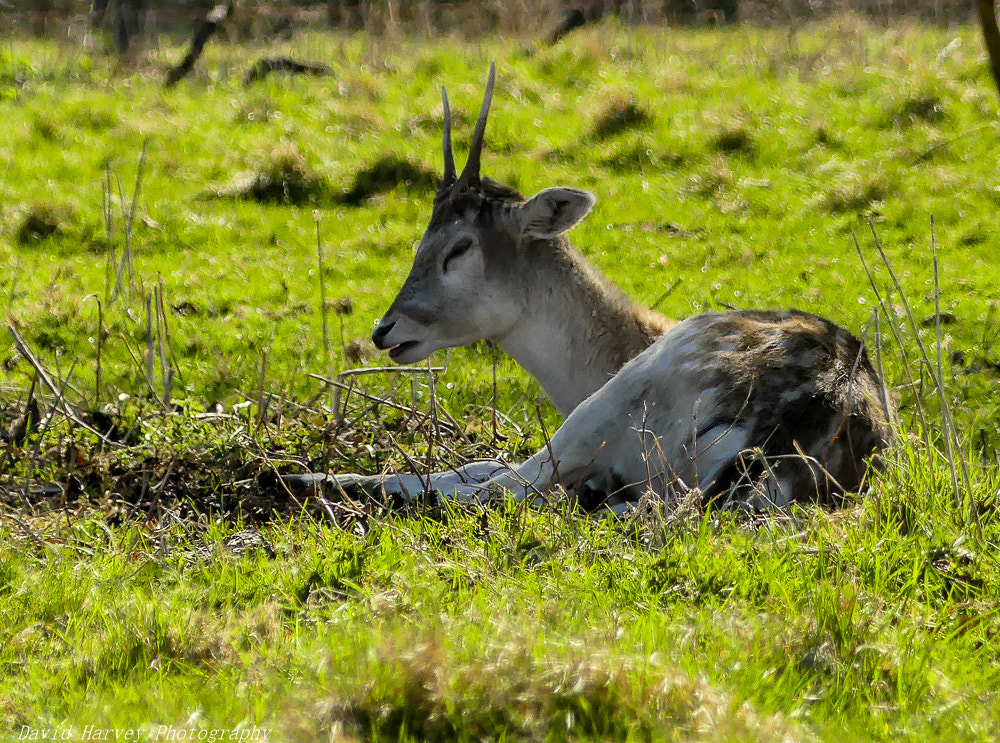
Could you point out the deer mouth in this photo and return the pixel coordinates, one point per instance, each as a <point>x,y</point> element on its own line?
<point>398,351</point>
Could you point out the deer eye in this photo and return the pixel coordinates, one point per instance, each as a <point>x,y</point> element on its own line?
<point>458,249</point>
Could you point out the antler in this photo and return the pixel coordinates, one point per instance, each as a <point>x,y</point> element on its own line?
<point>448,180</point>
<point>470,174</point>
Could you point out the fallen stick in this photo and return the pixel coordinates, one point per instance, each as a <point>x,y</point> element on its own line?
<point>264,67</point>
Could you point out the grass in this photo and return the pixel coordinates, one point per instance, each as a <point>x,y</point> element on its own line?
<point>463,625</point>
<point>158,576</point>
<point>817,139</point>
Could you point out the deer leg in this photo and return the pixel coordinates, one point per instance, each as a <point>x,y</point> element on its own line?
<point>395,485</point>
<point>577,455</point>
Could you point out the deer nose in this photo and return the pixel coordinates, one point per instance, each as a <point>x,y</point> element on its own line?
<point>379,334</point>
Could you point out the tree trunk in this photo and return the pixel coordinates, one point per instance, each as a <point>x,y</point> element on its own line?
<point>97,11</point>
<point>991,36</point>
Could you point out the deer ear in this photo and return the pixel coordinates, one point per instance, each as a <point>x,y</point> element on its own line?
<point>553,211</point>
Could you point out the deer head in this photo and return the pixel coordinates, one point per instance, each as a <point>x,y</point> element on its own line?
<point>469,275</point>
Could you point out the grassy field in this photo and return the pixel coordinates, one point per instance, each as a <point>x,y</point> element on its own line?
<point>184,265</point>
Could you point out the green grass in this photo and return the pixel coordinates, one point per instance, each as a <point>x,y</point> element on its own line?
<point>745,182</point>
<point>744,179</point>
<point>874,623</point>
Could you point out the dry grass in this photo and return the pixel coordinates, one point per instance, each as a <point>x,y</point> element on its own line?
<point>428,688</point>
<point>857,190</point>
<point>285,177</point>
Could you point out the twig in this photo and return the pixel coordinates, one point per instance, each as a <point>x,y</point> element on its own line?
<point>425,484</point>
<point>138,363</point>
<point>111,267</point>
<point>370,370</point>
<point>660,299</point>
<point>493,398</point>
<point>261,397</point>
<point>100,345</point>
<point>340,386</point>
<point>436,430</point>
<point>323,310</point>
<point>45,422</point>
<point>163,336</point>
<point>882,391</point>
<point>128,218</point>
<point>149,342</point>
<point>43,375</point>
<point>897,331</point>
<point>25,425</point>
<point>951,435</point>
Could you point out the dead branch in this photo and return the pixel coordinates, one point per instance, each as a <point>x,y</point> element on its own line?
<point>47,381</point>
<point>206,28</point>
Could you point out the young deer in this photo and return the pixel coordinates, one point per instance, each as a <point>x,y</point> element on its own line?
<point>750,407</point>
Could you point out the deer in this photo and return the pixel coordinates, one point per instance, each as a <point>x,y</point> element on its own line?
<point>741,408</point>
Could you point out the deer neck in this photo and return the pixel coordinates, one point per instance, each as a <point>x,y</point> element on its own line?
<point>577,328</point>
